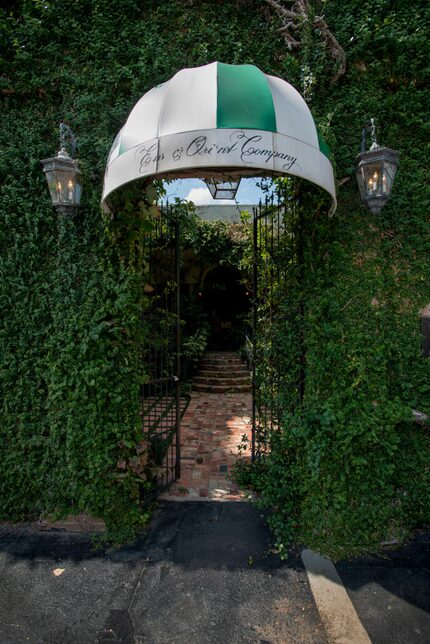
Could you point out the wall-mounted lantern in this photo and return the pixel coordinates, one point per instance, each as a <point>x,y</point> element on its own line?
<point>375,169</point>
<point>221,189</point>
<point>63,174</point>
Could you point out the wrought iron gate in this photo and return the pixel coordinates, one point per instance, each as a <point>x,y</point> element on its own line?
<point>162,405</point>
<point>270,253</point>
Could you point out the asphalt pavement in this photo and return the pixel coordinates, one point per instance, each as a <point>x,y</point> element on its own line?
<point>204,573</point>
<point>391,592</point>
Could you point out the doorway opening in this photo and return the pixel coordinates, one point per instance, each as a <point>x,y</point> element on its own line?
<point>225,363</point>
<point>226,303</point>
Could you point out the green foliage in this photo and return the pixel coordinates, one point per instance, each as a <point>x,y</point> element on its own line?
<point>209,244</point>
<point>214,242</point>
<point>194,347</point>
<point>348,467</point>
<point>71,292</point>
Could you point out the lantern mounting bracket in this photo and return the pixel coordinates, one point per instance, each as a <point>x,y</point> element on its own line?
<point>67,138</point>
<point>370,127</point>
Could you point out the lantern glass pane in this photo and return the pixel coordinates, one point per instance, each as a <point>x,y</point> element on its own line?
<point>51,178</point>
<point>389,172</point>
<point>78,190</point>
<point>373,179</point>
<point>65,186</point>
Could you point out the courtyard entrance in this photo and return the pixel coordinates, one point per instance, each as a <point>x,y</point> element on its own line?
<point>196,125</point>
<point>202,412</point>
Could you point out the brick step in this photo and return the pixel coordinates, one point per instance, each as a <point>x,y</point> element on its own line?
<point>212,364</point>
<point>204,380</point>
<point>219,389</point>
<point>238,370</point>
<point>221,356</point>
<point>218,354</point>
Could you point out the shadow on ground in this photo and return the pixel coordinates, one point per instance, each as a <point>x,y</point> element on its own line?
<point>204,573</point>
<point>199,534</point>
<point>391,592</point>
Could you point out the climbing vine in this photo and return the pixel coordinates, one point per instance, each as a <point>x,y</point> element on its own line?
<point>72,291</point>
<point>348,466</point>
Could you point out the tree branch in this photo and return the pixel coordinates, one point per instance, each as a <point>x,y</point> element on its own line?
<point>293,19</point>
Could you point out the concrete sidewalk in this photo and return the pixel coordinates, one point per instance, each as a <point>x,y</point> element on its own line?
<point>204,573</point>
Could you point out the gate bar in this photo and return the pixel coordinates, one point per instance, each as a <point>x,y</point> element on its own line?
<point>254,332</point>
<point>178,349</point>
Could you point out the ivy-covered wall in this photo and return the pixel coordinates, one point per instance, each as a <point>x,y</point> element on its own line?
<point>71,291</point>
<point>351,468</point>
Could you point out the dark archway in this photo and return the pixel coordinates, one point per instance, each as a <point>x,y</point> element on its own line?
<point>226,303</point>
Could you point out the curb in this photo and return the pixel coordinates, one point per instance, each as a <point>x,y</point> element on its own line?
<point>338,615</point>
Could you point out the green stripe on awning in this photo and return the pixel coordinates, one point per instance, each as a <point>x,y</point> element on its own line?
<point>324,148</point>
<point>244,98</point>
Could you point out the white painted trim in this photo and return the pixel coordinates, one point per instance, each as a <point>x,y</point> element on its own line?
<point>197,153</point>
<point>338,615</point>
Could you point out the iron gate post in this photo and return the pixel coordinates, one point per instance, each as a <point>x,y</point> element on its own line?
<point>178,348</point>
<point>254,331</point>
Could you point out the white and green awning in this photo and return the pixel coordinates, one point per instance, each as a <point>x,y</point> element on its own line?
<point>224,120</point>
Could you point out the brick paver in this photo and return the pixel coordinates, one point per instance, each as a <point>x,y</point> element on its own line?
<point>211,432</point>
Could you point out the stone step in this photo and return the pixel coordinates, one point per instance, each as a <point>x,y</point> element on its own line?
<point>219,389</point>
<point>226,364</point>
<point>239,380</point>
<point>230,372</point>
<point>222,357</point>
<point>222,372</point>
<point>226,354</point>
<point>246,376</point>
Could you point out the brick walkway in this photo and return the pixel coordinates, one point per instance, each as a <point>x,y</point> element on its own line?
<point>211,432</point>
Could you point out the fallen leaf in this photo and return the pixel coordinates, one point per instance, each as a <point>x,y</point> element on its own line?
<point>58,571</point>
